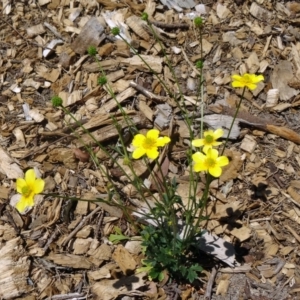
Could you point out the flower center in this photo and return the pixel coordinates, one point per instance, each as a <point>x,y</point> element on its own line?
<point>26,191</point>
<point>210,162</point>
<point>247,79</point>
<point>209,139</point>
<point>149,143</point>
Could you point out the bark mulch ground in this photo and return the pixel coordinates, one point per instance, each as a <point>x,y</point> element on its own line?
<point>60,249</point>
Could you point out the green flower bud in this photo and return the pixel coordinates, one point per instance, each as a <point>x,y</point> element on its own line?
<point>56,101</point>
<point>115,31</point>
<point>102,80</point>
<point>92,51</point>
<point>198,21</point>
<point>144,16</point>
<point>199,64</point>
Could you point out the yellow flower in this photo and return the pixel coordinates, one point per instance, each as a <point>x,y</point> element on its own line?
<point>210,139</point>
<point>148,144</point>
<point>210,161</point>
<point>28,188</point>
<point>247,80</point>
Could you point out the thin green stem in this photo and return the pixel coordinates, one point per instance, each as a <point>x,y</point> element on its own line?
<point>233,120</point>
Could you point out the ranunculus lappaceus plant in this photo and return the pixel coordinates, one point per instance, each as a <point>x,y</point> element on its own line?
<point>171,240</point>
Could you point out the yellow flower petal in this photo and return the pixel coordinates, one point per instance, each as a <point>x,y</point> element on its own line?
<point>212,153</point>
<point>237,84</point>
<point>38,186</point>
<point>152,153</point>
<point>218,133</point>
<point>138,153</point>
<point>153,134</point>
<point>198,142</point>
<point>256,78</point>
<point>198,167</point>
<point>198,157</point>
<point>208,132</point>
<point>236,77</point>
<point>222,161</point>
<point>30,177</point>
<point>20,206</point>
<point>21,183</point>
<point>215,171</point>
<point>207,147</point>
<point>251,86</point>
<point>24,203</point>
<point>138,140</point>
<point>199,162</point>
<point>162,141</point>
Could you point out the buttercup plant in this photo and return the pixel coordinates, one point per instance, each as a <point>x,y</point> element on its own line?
<point>170,239</point>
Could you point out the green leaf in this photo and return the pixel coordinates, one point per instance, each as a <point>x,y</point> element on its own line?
<point>116,238</point>
<point>161,276</point>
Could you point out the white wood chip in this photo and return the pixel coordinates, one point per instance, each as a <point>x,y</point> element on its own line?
<point>51,46</point>
<point>35,30</point>
<point>6,6</point>
<point>248,144</point>
<point>8,167</point>
<point>259,12</point>
<point>222,11</point>
<point>44,2</point>
<point>36,115</point>
<point>155,62</point>
<point>272,98</point>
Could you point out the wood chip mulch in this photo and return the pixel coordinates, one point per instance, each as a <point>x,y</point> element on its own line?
<point>60,249</point>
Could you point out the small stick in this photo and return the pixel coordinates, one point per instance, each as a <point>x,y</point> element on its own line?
<point>44,146</point>
<point>210,283</point>
<point>260,219</point>
<point>293,232</point>
<point>147,93</point>
<point>275,233</point>
<point>190,63</point>
<point>53,29</point>
<point>262,124</point>
<point>51,239</point>
<point>279,266</point>
<point>67,296</point>
<point>80,225</point>
<point>99,223</point>
<point>170,26</point>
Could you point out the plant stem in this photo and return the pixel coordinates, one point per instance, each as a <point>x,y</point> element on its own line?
<point>233,120</point>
